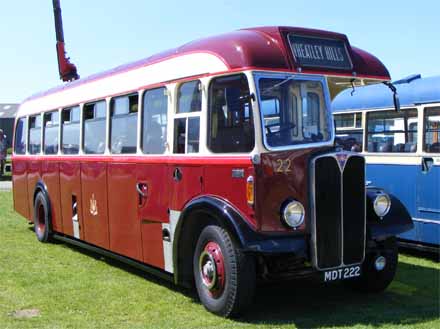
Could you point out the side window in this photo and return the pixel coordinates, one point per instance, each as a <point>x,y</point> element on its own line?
<point>186,135</point>
<point>187,128</point>
<point>70,130</point>
<point>231,127</point>
<point>154,121</point>
<point>390,131</point>
<point>20,136</point>
<point>189,97</point>
<point>349,133</point>
<point>51,129</point>
<point>123,131</point>
<point>35,134</point>
<point>431,138</point>
<point>94,127</point>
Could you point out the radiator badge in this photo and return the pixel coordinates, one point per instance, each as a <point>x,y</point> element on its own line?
<point>342,159</point>
<point>93,206</point>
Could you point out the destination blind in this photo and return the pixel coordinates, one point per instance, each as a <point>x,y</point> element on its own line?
<point>319,52</point>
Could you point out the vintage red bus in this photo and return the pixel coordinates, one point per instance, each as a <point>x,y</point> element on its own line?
<point>212,164</point>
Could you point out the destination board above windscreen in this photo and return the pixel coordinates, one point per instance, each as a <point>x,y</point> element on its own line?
<point>320,52</point>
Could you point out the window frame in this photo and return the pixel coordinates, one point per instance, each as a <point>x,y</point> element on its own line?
<point>178,94</point>
<point>424,116</point>
<point>186,116</point>
<point>24,133</point>
<point>250,84</point>
<point>142,112</point>
<point>29,133</point>
<point>366,132</point>
<point>83,130</point>
<point>110,117</point>
<point>43,144</point>
<point>61,149</point>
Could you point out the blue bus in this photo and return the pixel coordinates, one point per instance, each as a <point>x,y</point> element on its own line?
<point>402,149</point>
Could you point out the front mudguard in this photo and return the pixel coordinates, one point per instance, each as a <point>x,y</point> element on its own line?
<point>397,221</point>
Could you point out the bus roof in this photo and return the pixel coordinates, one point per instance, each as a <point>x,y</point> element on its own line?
<point>412,90</point>
<point>252,48</point>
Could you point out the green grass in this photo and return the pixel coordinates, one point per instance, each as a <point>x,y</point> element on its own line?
<point>75,289</point>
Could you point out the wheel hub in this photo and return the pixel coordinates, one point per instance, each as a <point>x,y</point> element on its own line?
<point>211,268</point>
<point>40,218</point>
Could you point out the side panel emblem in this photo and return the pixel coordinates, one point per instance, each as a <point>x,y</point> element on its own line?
<point>93,206</point>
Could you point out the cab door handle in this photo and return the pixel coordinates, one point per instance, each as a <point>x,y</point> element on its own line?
<point>427,164</point>
<point>142,189</point>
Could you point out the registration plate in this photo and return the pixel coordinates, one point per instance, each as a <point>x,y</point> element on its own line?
<point>342,273</point>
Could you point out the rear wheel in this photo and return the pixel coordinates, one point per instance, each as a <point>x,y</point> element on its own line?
<point>42,218</point>
<point>224,276</point>
<point>378,269</point>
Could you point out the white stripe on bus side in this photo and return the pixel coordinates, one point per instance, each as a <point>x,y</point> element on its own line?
<point>168,245</point>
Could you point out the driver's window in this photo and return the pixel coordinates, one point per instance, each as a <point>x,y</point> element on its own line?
<point>123,129</point>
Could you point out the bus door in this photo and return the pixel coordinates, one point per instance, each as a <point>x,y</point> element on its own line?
<point>428,180</point>
<point>152,204</point>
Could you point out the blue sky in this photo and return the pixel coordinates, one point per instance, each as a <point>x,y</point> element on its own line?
<point>101,34</point>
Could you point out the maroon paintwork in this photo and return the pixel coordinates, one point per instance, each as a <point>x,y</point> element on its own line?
<point>152,210</point>
<point>20,188</point>
<point>261,48</point>
<point>274,186</point>
<point>94,191</point>
<point>70,185</point>
<point>124,224</point>
<point>51,178</point>
<point>33,176</point>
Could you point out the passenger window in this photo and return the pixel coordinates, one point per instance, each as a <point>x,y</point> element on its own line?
<point>94,127</point>
<point>124,111</point>
<point>35,134</point>
<point>431,139</point>
<point>20,136</point>
<point>186,142</point>
<point>189,97</point>
<point>231,127</point>
<point>51,129</point>
<point>390,131</point>
<point>70,131</point>
<point>154,121</point>
<point>349,134</point>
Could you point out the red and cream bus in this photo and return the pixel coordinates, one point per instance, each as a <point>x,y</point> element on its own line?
<point>212,164</point>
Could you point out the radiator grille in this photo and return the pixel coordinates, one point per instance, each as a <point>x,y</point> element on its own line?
<point>339,217</point>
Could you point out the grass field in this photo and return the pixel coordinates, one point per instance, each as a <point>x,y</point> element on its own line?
<point>70,288</point>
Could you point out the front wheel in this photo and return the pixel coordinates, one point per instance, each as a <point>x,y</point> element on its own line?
<point>224,276</point>
<point>378,269</point>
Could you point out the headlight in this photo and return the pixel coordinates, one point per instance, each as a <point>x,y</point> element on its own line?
<point>382,204</point>
<point>293,214</point>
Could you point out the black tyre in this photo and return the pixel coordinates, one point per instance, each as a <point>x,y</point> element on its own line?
<point>373,280</point>
<point>224,276</point>
<point>42,224</point>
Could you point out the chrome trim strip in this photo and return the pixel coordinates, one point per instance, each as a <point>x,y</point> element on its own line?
<point>427,221</point>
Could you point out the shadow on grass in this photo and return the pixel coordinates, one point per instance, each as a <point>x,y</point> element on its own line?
<point>432,255</point>
<point>412,298</point>
<point>5,178</point>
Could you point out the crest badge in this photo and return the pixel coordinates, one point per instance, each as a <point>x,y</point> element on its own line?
<point>93,206</point>
<point>342,159</point>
